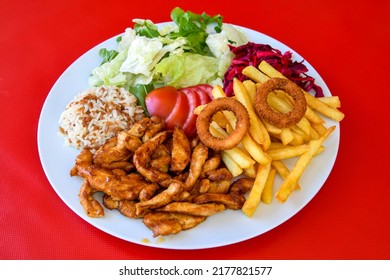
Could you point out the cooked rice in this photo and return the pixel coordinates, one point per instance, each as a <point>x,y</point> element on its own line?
<point>97,114</point>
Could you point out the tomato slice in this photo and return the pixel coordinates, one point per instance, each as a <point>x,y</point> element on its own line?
<point>206,89</point>
<point>203,90</point>
<point>189,126</point>
<point>179,112</point>
<point>204,96</point>
<point>161,101</point>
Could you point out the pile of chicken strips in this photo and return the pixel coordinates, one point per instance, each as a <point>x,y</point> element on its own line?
<point>159,176</point>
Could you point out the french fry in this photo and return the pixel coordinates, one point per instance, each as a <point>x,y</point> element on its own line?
<point>251,89</point>
<point>301,134</point>
<point>267,194</point>
<point>293,177</point>
<point>255,150</point>
<point>331,101</point>
<point>313,117</point>
<point>322,108</point>
<point>288,152</point>
<point>254,74</point>
<point>257,129</point>
<point>271,128</point>
<point>238,155</point>
<point>313,133</point>
<point>277,145</point>
<point>199,109</point>
<point>286,136</point>
<point>278,103</point>
<point>304,124</point>
<point>219,118</point>
<point>254,196</point>
<point>231,165</point>
<point>297,140</point>
<point>319,128</point>
<point>217,92</point>
<point>270,71</point>
<point>250,171</point>
<point>283,171</point>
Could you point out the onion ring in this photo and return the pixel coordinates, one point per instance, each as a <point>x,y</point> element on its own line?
<point>205,118</point>
<point>265,111</point>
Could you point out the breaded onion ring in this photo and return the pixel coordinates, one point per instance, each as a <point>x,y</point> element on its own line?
<point>205,118</point>
<point>265,111</point>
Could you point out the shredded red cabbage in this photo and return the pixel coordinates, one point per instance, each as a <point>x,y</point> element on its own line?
<point>252,54</point>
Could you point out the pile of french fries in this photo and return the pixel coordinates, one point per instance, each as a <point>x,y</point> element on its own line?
<point>262,152</point>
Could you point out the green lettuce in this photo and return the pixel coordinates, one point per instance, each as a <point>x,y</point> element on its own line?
<point>187,69</point>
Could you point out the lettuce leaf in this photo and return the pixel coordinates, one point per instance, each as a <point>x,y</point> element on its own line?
<point>187,70</point>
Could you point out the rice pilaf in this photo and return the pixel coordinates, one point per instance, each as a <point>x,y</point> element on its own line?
<point>97,114</point>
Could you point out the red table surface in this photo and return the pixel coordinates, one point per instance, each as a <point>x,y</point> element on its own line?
<point>347,43</point>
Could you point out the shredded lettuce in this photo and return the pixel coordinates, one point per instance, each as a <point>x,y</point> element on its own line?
<point>187,70</point>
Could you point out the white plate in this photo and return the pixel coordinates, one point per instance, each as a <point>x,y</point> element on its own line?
<point>221,229</point>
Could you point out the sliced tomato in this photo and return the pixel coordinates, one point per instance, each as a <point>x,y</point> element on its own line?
<point>204,96</point>
<point>189,126</point>
<point>203,90</point>
<point>206,89</point>
<point>161,101</point>
<point>179,113</point>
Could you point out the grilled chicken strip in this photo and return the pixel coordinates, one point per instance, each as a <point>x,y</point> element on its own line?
<point>113,150</point>
<point>235,199</point>
<point>139,128</point>
<point>181,150</point>
<point>189,208</point>
<point>198,158</point>
<point>166,223</point>
<point>165,197</point>
<point>143,154</point>
<point>160,159</point>
<point>155,125</point>
<point>91,206</point>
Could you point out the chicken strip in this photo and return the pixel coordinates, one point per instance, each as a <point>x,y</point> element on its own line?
<point>110,203</point>
<point>189,208</point>
<point>208,186</point>
<point>118,187</point>
<point>155,125</point>
<point>198,158</point>
<point>83,164</point>
<point>165,223</point>
<point>212,163</point>
<point>220,174</point>
<point>122,165</point>
<point>139,128</point>
<point>127,208</point>
<point>234,199</point>
<point>91,206</point>
<point>165,197</point>
<point>181,150</point>
<point>160,159</point>
<point>143,154</point>
<point>113,150</point>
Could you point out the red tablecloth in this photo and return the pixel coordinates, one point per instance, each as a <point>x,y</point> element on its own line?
<point>346,41</point>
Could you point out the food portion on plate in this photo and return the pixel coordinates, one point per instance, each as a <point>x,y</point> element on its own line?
<point>189,119</point>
